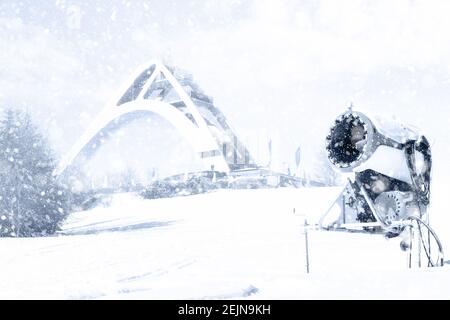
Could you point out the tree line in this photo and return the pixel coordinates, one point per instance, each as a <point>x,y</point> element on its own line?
<point>32,202</point>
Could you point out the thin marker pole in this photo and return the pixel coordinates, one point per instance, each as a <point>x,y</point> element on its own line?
<point>307,246</point>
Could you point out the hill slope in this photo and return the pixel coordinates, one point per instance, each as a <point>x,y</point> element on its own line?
<point>225,244</point>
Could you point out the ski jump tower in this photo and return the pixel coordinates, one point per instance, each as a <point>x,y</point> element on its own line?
<point>172,94</point>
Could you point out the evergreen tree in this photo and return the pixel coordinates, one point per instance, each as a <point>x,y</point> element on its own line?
<point>31,201</point>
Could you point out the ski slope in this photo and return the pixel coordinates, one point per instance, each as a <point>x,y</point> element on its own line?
<point>228,244</point>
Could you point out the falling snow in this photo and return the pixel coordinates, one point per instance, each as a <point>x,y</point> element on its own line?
<point>280,72</point>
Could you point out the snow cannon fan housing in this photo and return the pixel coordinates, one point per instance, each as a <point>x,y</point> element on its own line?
<point>350,141</point>
<point>391,163</point>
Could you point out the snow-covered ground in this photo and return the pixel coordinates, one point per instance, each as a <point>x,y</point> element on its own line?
<point>280,71</point>
<point>225,244</point>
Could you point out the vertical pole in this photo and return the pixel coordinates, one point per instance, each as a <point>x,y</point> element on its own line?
<point>343,207</point>
<point>429,248</point>
<point>306,245</point>
<point>410,246</point>
<point>224,151</point>
<point>429,241</point>
<point>419,244</point>
<point>235,150</point>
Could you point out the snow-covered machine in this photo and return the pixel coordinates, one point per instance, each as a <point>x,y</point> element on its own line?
<point>388,184</point>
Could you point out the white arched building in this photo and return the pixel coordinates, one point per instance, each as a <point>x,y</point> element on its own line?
<point>172,94</point>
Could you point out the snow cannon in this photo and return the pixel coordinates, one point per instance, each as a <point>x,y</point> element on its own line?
<point>388,168</point>
<point>391,165</point>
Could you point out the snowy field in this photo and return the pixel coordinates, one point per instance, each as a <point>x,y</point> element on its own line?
<point>280,72</point>
<point>228,244</point>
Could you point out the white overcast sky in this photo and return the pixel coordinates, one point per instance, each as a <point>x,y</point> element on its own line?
<point>279,69</point>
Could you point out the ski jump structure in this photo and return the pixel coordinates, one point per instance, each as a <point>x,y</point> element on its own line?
<point>172,94</point>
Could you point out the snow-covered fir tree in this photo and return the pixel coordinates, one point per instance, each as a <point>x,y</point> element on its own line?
<point>31,201</point>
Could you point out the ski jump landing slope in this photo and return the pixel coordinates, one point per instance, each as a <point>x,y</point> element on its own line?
<point>236,244</point>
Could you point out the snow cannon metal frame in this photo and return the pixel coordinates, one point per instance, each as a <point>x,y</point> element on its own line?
<point>388,188</point>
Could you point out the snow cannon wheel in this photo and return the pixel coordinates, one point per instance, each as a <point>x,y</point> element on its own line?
<point>422,244</point>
